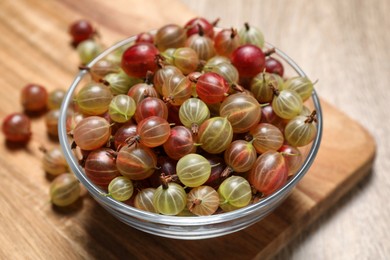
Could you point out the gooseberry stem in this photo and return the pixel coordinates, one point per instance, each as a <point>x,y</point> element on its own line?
<point>312,117</point>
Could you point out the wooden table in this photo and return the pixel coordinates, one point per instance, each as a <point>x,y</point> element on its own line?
<point>343,44</point>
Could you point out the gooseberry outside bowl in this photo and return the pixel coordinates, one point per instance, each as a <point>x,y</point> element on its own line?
<point>189,227</point>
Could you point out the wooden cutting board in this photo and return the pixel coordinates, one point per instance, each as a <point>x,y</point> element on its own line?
<point>34,47</point>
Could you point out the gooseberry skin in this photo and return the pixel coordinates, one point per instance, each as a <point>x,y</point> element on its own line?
<point>302,85</point>
<point>144,200</point>
<point>102,68</point>
<point>153,131</point>
<point>211,88</point>
<point>203,46</point>
<point>162,75</point>
<point>216,60</point>
<point>17,128</point>
<point>242,110</point>
<point>179,143</point>
<point>150,106</point>
<point>120,83</point>
<point>269,173</point>
<point>34,98</point>
<point>93,99</point>
<point>240,156</point>
<point>217,167</point>
<point>136,162</point>
<point>54,162</point>
<point>51,122</point>
<point>121,188</point>
<point>125,132</point>
<point>72,120</point>
<point>251,35</point>
<point>235,191</point>
<point>176,89</point>
<point>193,170</point>
<point>274,66</point>
<point>300,131</point>
<point>185,59</point>
<point>170,36</point>
<point>226,41</point>
<point>81,30</point>
<point>215,135</point>
<point>287,104</point>
<point>138,59</point>
<point>192,27</point>
<point>226,70</point>
<point>266,137</point>
<point>192,113</point>
<point>249,60</point>
<point>122,108</point>
<point>91,133</point>
<point>262,86</point>
<point>203,201</point>
<point>144,37</point>
<point>170,199</point>
<point>141,91</point>
<point>293,158</point>
<point>55,98</point>
<point>100,166</point>
<point>88,50</point>
<point>64,190</point>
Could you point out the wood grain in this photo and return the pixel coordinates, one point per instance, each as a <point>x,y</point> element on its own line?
<point>34,48</point>
<point>344,44</point>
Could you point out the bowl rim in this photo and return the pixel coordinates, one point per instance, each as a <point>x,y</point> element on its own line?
<point>180,220</point>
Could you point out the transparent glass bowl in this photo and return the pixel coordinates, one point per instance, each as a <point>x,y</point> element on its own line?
<point>188,227</point>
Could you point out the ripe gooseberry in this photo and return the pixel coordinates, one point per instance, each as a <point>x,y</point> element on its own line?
<point>92,133</point>
<point>193,170</point>
<point>136,162</point>
<point>249,60</point>
<point>150,106</point>
<point>100,166</point>
<point>215,135</point>
<point>226,41</point>
<point>239,157</point>
<point>152,131</point>
<point>120,188</point>
<point>251,35</point>
<point>169,199</point>
<point>81,30</point>
<point>64,190</point>
<point>242,110</point>
<point>34,98</point>
<point>266,137</point>
<point>202,44</point>
<point>203,201</point>
<point>269,172</point>
<point>211,87</point>
<point>138,59</point>
<point>144,200</point>
<point>179,143</point>
<point>54,162</point>
<point>93,98</point>
<point>170,36</point>
<point>301,130</point>
<point>234,191</point>
<point>17,128</point>
<point>192,27</point>
<point>273,65</point>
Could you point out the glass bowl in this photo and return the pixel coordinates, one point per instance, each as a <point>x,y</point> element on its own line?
<point>188,227</point>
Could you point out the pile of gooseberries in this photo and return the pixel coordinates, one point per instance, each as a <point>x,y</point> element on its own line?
<point>192,119</point>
